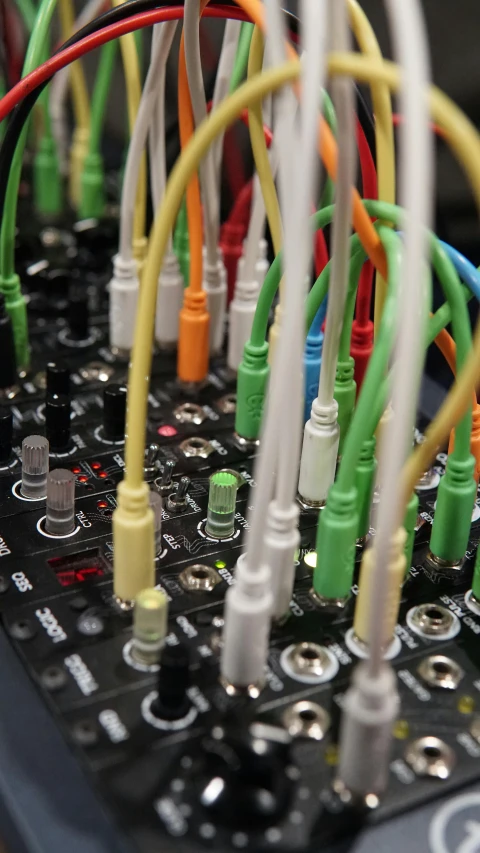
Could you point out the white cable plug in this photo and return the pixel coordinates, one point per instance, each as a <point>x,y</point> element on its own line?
<point>248,608</point>
<point>123,291</point>
<point>169,302</point>
<point>262,264</point>
<point>241,314</point>
<point>214,284</point>
<point>282,539</point>
<point>369,710</point>
<point>321,436</point>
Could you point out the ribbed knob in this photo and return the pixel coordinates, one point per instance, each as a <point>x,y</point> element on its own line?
<point>60,520</point>
<point>222,499</point>
<point>34,466</point>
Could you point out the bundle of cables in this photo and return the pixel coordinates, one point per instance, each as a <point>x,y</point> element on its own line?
<point>329,388</point>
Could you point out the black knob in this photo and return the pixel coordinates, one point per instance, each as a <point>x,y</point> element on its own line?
<point>6,435</point>
<point>172,702</point>
<point>78,313</point>
<point>253,764</point>
<point>114,411</point>
<point>8,370</point>
<point>58,379</point>
<point>57,421</point>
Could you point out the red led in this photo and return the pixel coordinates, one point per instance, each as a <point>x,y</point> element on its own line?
<point>95,466</point>
<point>71,576</point>
<point>76,470</point>
<point>102,505</point>
<point>102,474</point>
<point>167,431</point>
<point>83,478</point>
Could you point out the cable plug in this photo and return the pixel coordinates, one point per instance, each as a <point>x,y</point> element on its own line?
<point>369,710</point>
<point>364,484</point>
<point>247,613</point>
<point>47,181</point>
<point>262,264</point>
<point>252,378</point>
<point>181,242</point>
<point>124,288</point>
<point>475,592</point>
<point>312,362</point>
<point>78,154</point>
<point>215,286</point>
<point>345,393</point>
<point>474,441</point>
<point>139,251</point>
<point>169,302</point>
<point>133,542</point>
<point>410,523</point>
<point>361,348</point>
<point>282,539</point>
<point>453,511</point>
<point>92,187</point>
<point>395,576</point>
<point>335,546</point>
<point>193,337</point>
<point>241,314</point>
<point>231,246</point>
<point>319,453</point>
<point>274,332</point>
<point>17,311</point>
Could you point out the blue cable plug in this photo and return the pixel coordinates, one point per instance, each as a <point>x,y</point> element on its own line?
<point>312,359</point>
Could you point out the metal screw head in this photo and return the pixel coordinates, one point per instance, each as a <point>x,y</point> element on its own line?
<point>432,619</point>
<point>308,659</point>
<point>306,719</point>
<point>53,678</point>
<point>430,756</point>
<point>85,733</point>
<point>22,629</point>
<point>199,578</point>
<point>189,413</point>
<point>440,671</point>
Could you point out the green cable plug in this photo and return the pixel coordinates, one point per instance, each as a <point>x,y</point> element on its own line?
<point>47,182</point>
<point>181,242</point>
<point>92,187</point>
<point>453,512</point>
<point>364,484</point>
<point>17,310</point>
<point>345,393</point>
<point>252,378</point>
<point>336,534</point>
<point>409,524</point>
<point>476,579</point>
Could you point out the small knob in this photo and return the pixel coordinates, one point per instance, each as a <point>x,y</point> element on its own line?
<point>57,379</point>
<point>34,466</point>
<point>8,369</point>
<point>177,501</point>
<point>172,702</point>
<point>114,411</point>
<point>60,518</point>
<point>150,617</point>
<point>222,498</point>
<point>163,483</point>
<point>78,313</point>
<point>57,421</point>
<point>6,435</point>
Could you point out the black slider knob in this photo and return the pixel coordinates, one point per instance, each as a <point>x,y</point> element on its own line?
<point>114,411</point>
<point>8,370</point>
<point>58,379</point>
<point>78,313</point>
<point>6,435</point>
<point>57,421</point>
<point>172,702</point>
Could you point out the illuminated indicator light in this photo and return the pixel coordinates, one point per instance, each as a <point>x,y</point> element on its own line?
<point>466,705</point>
<point>73,576</point>
<point>102,474</point>
<point>220,564</point>
<point>167,431</point>
<point>96,466</point>
<point>331,755</point>
<point>76,470</point>
<point>83,478</point>
<point>102,505</point>
<point>401,730</point>
<point>311,559</point>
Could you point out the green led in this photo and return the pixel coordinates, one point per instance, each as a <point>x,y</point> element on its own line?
<point>222,499</point>
<point>220,564</point>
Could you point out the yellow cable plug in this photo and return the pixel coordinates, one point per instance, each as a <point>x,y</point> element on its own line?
<point>395,569</point>
<point>134,542</point>
<point>78,152</point>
